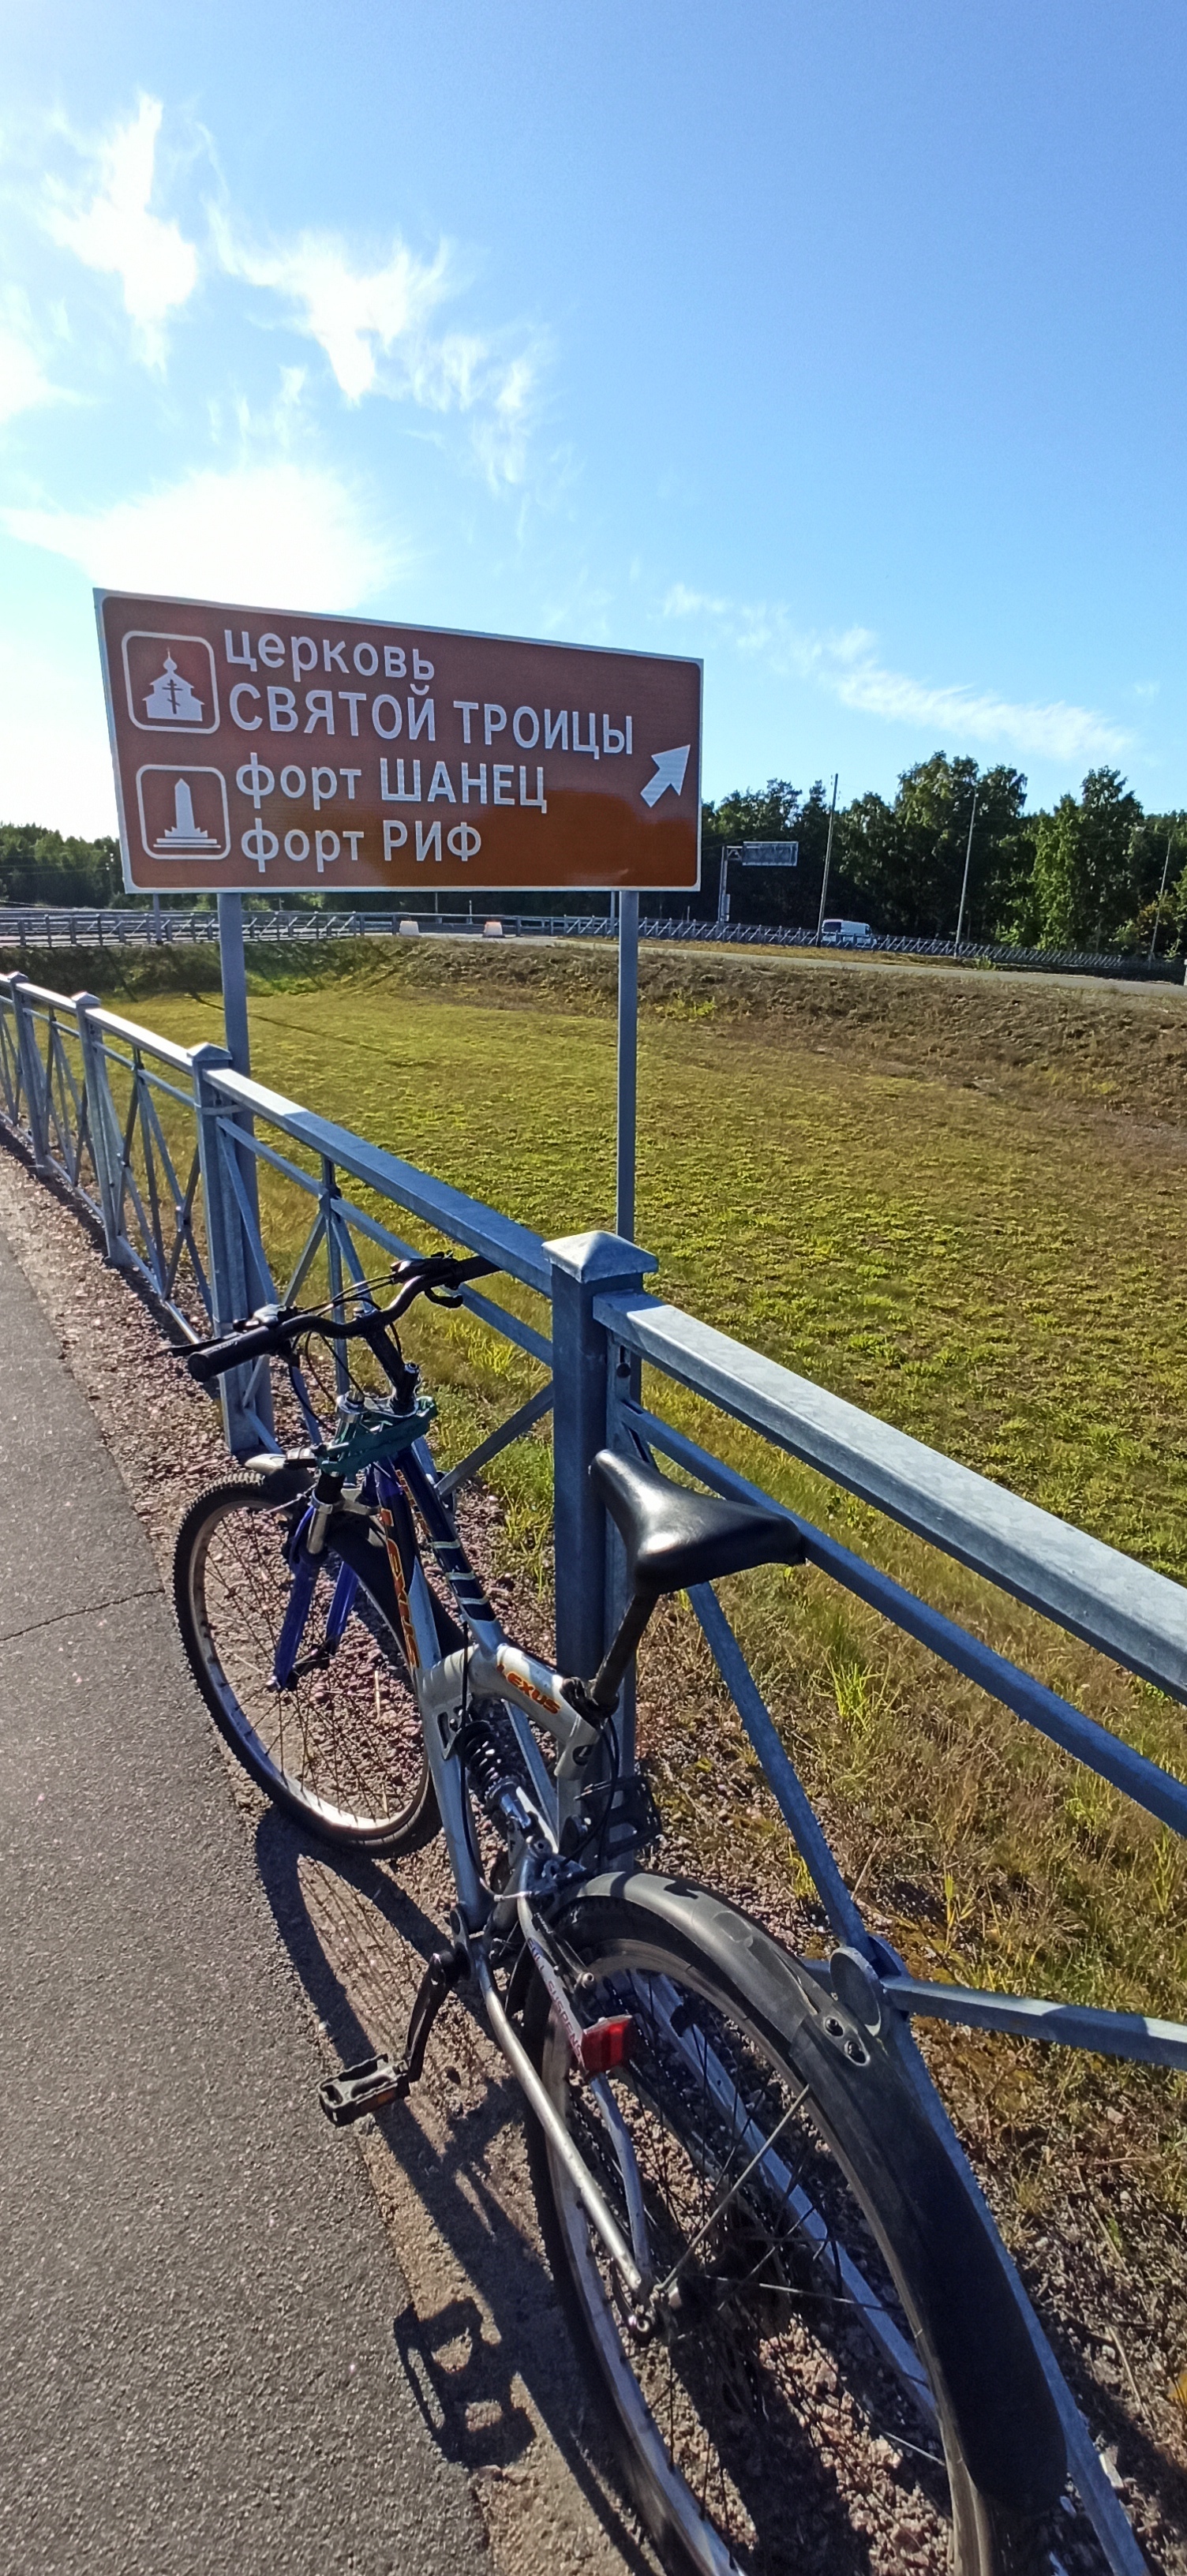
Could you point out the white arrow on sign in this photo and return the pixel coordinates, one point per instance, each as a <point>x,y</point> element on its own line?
<point>669,772</point>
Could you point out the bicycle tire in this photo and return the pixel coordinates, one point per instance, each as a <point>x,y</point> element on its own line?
<point>342,1749</point>
<point>760,2432</point>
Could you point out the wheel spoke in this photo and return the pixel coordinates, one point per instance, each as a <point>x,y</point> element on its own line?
<point>780,2443</point>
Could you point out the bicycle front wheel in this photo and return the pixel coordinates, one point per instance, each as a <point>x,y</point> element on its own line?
<point>341,1746</point>
<point>777,2413</point>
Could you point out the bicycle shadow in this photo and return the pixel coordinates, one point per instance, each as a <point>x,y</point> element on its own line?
<point>463,2381</point>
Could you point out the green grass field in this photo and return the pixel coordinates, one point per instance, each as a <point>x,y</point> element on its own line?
<point>983,1246</point>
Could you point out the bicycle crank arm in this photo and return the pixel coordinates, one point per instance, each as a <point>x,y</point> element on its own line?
<point>376,2081</point>
<point>554,2128</point>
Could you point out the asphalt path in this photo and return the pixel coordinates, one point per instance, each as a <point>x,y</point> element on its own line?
<point>198,2370</point>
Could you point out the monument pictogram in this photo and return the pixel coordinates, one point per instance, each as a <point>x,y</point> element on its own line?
<point>183,813</point>
<point>170,683</point>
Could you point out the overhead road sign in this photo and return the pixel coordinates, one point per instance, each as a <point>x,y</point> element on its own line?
<point>752,854</point>
<point>262,751</point>
<point>764,854</point>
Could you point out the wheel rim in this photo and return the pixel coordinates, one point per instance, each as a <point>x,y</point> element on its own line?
<point>344,1740</point>
<point>770,2432</point>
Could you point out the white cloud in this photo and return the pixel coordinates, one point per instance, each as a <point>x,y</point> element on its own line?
<point>23,384</point>
<point>373,326</point>
<point>1051,731</point>
<point>115,231</point>
<point>54,773</point>
<point>355,316</point>
<point>847,665</point>
<point>279,535</point>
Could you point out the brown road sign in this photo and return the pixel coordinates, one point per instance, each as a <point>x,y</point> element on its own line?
<point>272,753</point>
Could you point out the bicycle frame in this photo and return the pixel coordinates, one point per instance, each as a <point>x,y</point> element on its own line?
<point>488,1666</point>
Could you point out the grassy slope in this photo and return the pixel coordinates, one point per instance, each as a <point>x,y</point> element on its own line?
<point>959,1205</point>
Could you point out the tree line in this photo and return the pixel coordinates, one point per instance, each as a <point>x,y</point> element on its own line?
<point>1085,875</point>
<point>38,867</point>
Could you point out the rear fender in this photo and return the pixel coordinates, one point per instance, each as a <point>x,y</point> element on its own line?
<point>953,2274</point>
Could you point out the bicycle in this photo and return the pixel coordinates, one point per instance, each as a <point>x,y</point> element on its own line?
<point>792,2316</point>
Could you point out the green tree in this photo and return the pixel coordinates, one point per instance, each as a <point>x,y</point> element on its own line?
<point>1158,845</point>
<point>1084,863</point>
<point>38,867</point>
<point>906,860</point>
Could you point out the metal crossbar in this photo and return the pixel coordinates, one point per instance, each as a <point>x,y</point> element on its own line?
<point>162,1145</point>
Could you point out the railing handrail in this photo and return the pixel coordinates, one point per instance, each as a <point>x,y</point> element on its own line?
<point>40,993</point>
<point>146,1041</point>
<point>698,930</point>
<point>1112,1601</point>
<point>437,1203</point>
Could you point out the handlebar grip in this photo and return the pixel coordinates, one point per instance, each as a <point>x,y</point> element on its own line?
<point>215,1358</point>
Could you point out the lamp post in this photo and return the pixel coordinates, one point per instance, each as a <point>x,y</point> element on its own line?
<point>967,861</point>
<point>828,854</point>
<point>1161,891</point>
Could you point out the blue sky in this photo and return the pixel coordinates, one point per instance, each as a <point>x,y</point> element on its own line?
<point>838,341</point>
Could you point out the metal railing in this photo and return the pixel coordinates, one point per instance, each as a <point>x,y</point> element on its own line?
<point>23,926</point>
<point>174,1154</point>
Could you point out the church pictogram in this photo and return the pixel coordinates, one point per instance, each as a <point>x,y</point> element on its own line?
<point>171,700</point>
<point>170,682</point>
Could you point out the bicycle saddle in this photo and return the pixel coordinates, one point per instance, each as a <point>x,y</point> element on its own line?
<point>674,1538</point>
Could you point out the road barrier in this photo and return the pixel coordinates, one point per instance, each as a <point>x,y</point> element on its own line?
<point>49,928</point>
<point>164,1147</point>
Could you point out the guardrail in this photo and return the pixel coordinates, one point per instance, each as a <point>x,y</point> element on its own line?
<point>49,928</point>
<point>168,1147</point>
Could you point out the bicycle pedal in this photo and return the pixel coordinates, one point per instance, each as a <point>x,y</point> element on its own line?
<point>359,2089</point>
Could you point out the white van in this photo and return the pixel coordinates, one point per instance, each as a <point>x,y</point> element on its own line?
<point>847,934</point>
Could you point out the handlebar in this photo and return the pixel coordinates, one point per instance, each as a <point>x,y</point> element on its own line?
<point>438,1276</point>
<point>209,1360</point>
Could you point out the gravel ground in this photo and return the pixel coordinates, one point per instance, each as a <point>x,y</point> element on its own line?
<point>479,2333</point>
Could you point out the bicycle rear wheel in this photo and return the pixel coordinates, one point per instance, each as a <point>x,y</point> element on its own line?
<point>341,1747</point>
<point>781,2415</point>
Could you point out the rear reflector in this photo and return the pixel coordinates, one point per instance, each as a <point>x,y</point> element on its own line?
<point>606,2044</point>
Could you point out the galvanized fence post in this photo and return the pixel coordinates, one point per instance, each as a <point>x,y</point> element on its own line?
<point>102,1125</point>
<point>32,1073</point>
<point>227,1254</point>
<point>584,1266</point>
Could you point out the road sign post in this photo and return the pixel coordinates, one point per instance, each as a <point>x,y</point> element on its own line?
<point>626,1123</point>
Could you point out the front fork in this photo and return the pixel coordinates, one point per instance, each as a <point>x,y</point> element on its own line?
<point>292,1627</point>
